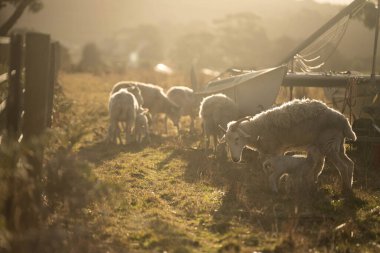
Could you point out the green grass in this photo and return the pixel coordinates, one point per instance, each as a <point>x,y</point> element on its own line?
<point>171,196</point>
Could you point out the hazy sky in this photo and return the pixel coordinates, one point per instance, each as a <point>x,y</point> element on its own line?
<point>75,22</point>
<point>335,1</point>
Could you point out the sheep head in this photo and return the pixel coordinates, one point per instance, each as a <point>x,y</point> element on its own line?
<point>135,90</point>
<point>236,139</point>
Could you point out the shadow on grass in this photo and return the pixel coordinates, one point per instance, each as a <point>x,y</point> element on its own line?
<point>248,199</point>
<point>102,151</point>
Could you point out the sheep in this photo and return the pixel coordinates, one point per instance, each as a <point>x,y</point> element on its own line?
<point>294,125</point>
<point>216,110</point>
<point>298,167</point>
<point>131,87</point>
<point>186,100</point>
<point>142,126</point>
<point>154,99</point>
<point>122,108</point>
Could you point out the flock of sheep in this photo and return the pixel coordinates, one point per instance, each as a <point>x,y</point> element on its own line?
<point>299,125</point>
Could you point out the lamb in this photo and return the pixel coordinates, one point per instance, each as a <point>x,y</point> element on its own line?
<point>141,126</point>
<point>295,125</point>
<point>154,99</point>
<point>122,108</point>
<point>186,100</point>
<point>216,110</point>
<point>298,167</point>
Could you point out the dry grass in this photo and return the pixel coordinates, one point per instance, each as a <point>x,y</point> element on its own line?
<point>170,196</point>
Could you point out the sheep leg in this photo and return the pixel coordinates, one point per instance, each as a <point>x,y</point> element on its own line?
<point>206,137</point>
<point>128,132</point>
<point>274,177</point>
<point>317,169</point>
<point>343,170</point>
<point>166,124</point>
<point>152,120</point>
<point>350,169</point>
<point>308,178</point>
<point>118,135</point>
<point>147,136</point>
<point>207,142</point>
<point>111,133</point>
<point>215,142</point>
<point>116,138</point>
<point>138,137</point>
<point>119,130</point>
<point>192,124</point>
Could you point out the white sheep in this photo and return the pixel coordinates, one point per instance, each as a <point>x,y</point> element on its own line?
<point>154,99</point>
<point>216,110</point>
<point>295,125</point>
<point>300,168</point>
<point>186,100</point>
<point>142,126</point>
<point>122,109</point>
<point>131,87</point>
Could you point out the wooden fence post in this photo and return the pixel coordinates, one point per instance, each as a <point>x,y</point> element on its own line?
<point>37,62</point>
<point>12,125</point>
<point>53,75</point>
<point>13,104</point>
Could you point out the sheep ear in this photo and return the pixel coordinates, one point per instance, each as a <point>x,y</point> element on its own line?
<point>223,129</point>
<point>145,110</point>
<point>244,133</point>
<point>267,166</point>
<point>259,140</point>
<point>222,140</point>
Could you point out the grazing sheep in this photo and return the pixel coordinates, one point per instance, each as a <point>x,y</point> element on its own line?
<point>186,100</point>
<point>142,126</point>
<point>131,87</point>
<point>122,108</point>
<point>294,125</point>
<point>154,99</point>
<point>298,167</point>
<point>216,110</point>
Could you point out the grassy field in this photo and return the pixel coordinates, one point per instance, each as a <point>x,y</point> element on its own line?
<point>169,196</point>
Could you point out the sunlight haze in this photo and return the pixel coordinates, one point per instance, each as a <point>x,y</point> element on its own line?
<point>335,1</point>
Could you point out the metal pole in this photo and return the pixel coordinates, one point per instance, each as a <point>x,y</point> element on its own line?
<point>373,73</point>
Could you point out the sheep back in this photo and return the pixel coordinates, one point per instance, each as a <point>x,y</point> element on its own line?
<point>131,87</point>
<point>184,98</point>
<point>296,123</point>
<point>123,106</point>
<point>217,110</point>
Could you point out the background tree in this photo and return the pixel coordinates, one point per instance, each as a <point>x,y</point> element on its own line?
<point>368,15</point>
<point>66,63</point>
<point>196,47</point>
<point>91,60</point>
<point>243,41</point>
<point>137,46</point>
<point>19,7</point>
